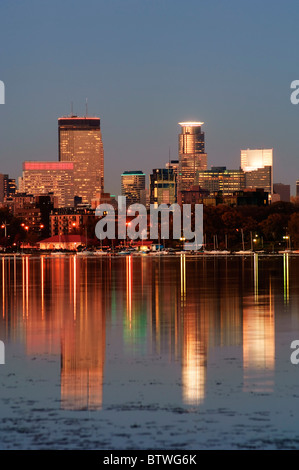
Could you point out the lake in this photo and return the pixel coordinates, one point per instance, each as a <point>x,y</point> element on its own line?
<point>149,352</point>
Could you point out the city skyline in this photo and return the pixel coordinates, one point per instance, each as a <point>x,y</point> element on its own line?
<point>149,227</point>
<point>80,144</point>
<point>141,89</point>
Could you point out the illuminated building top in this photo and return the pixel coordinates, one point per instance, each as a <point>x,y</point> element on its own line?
<point>191,124</point>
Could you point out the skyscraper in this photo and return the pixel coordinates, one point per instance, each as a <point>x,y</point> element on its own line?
<point>80,142</point>
<point>46,177</point>
<point>192,156</point>
<point>132,183</point>
<point>163,186</point>
<point>258,167</point>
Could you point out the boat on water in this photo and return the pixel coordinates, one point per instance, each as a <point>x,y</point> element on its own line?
<point>101,253</point>
<point>85,253</point>
<point>217,252</point>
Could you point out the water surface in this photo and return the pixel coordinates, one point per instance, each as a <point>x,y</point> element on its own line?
<point>140,352</point>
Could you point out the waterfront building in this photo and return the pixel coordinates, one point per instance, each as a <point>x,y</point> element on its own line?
<point>64,242</point>
<point>80,142</point>
<point>34,213</point>
<point>67,221</point>
<point>192,155</point>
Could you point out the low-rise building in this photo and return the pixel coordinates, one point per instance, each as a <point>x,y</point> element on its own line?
<point>69,221</point>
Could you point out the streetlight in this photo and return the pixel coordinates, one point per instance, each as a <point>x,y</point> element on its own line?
<point>287,238</point>
<point>5,225</point>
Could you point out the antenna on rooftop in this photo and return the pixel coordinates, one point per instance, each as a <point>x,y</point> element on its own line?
<point>86,108</point>
<point>72,111</point>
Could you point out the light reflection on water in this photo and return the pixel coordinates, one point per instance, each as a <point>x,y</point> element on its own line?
<point>104,317</point>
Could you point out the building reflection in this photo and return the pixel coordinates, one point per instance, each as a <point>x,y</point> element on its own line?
<point>286,278</point>
<point>195,336</point>
<point>83,336</point>
<point>179,310</point>
<point>58,307</point>
<point>133,303</point>
<point>259,338</point>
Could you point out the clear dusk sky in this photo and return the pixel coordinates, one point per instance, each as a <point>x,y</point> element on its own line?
<point>145,65</point>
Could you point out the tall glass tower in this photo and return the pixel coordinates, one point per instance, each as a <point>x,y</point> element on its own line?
<point>80,142</point>
<point>192,156</point>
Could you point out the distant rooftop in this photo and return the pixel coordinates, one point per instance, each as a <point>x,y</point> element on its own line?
<point>79,122</point>
<point>78,117</point>
<point>37,166</point>
<point>191,124</point>
<point>137,173</point>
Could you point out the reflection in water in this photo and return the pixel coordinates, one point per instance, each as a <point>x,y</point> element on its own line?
<point>83,339</point>
<point>194,351</point>
<point>183,280</point>
<point>286,269</point>
<point>258,339</point>
<point>129,291</point>
<point>256,275</point>
<point>176,309</point>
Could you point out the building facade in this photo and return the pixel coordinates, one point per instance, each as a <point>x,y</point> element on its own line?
<point>283,190</point>
<point>69,221</point>
<point>220,179</point>
<point>132,184</point>
<point>163,186</point>
<point>192,156</point>
<point>8,186</point>
<point>193,195</point>
<point>258,167</point>
<point>80,142</point>
<point>260,178</point>
<point>1,187</point>
<point>50,177</point>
